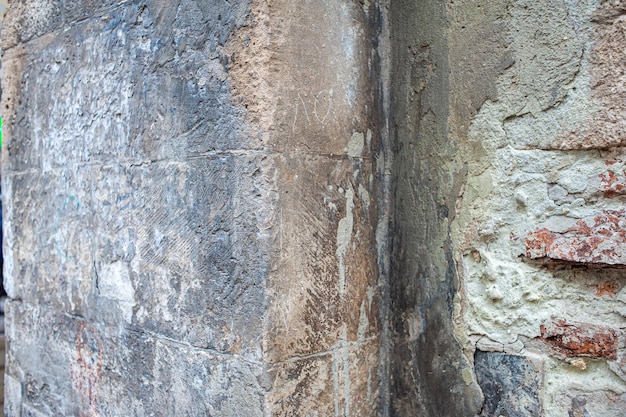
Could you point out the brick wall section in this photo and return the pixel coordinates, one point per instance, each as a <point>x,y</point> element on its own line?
<point>541,222</point>
<point>580,339</point>
<point>598,240</point>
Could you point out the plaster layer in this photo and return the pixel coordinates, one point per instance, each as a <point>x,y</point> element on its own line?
<point>538,232</point>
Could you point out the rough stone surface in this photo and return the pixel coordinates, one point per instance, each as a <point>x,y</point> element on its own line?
<point>314,208</point>
<point>192,204</point>
<point>539,219</point>
<point>510,383</point>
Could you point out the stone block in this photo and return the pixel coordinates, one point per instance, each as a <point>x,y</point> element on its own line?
<point>127,96</point>
<point>510,383</point>
<point>176,248</point>
<point>85,368</point>
<point>324,271</point>
<point>159,86</point>
<point>29,19</point>
<point>307,104</point>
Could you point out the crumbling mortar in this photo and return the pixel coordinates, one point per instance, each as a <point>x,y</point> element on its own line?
<point>135,163</point>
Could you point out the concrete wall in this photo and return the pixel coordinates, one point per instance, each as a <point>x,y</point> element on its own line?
<point>314,208</point>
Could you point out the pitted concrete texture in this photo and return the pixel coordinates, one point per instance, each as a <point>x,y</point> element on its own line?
<point>539,230</point>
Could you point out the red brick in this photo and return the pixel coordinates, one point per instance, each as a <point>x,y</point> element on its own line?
<point>600,240</point>
<point>612,184</point>
<point>580,339</point>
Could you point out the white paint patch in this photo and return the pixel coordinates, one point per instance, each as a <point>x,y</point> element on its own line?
<point>114,283</point>
<point>345,350</point>
<point>364,323</point>
<point>364,195</point>
<point>356,145</point>
<point>344,237</point>
<point>336,383</point>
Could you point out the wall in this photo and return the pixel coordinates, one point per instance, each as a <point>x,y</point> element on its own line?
<point>314,208</point>
<point>191,206</point>
<point>507,242</point>
<point>539,229</point>
<point>427,362</point>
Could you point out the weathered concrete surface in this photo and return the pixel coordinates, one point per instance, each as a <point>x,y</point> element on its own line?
<point>539,227</point>
<point>192,200</point>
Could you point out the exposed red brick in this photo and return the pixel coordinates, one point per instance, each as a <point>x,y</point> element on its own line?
<point>607,288</point>
<point>580,339</point>
<point>599,240</point>
<point>612,184</point>
<point>539,242</point>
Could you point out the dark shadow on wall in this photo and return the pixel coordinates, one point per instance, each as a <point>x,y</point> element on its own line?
<point>426,360</point>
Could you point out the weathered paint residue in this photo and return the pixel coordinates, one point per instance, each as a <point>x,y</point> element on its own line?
<point>356,145</point>
<point>344,237</point>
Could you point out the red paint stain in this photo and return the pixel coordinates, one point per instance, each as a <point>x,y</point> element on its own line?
<point>611,184</point>
<point>539,242</point>
<point>86,369</point>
